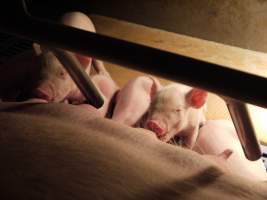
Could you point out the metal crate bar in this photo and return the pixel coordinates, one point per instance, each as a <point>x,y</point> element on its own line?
<point>229,83</point>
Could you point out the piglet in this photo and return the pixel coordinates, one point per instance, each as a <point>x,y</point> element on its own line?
<point>134,99</point>
<point>56,85</point>
<point>106,86</point>
<point>176,110</point>
<point>216,136</point>
<point>168,111</point>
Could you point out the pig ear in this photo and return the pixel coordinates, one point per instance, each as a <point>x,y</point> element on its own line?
<point>37,49</point>
<point>226,154</point>
<point>155,87</point>
<point>196,97</point>
<point>84,60</point>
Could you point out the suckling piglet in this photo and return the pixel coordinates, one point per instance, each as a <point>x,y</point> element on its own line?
<point>168,111</point>
<point>56,84</point>
<point>176,110</point>
<point>134,99</point>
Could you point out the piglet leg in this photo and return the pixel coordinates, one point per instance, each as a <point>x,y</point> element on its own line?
<point>105,84</point>
<point>134,99</point>
<point>107,88</point>
<point>98,65</point>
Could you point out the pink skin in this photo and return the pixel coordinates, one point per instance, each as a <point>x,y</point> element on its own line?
<point>134,99</point>
<point>106,86</point>
<point>216,136</point>
<point>56,85</point>
<point>176,110</point>
<point>59,151</point>
<point>167,111</point>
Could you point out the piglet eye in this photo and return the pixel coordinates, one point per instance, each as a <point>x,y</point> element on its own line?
<point>177,110</point>
<point>61,73</point>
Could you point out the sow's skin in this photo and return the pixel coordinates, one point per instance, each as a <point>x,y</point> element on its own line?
<point>61,151</point>
<point>217,135</point>
<point>168,111</point>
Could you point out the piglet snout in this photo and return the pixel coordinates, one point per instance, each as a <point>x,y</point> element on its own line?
<point>156,127</point>
<point>43,94</point>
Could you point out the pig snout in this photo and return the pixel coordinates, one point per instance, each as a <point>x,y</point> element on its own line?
<point>44,93</point>
<point>157,127</point>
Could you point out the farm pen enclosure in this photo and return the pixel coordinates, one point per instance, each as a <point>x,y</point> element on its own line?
<point>233,57</point>
<point>241,59</point>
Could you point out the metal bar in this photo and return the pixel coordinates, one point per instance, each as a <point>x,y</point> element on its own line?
<point>211,77</point>
<point>244,128</point>
<point>79,76</point>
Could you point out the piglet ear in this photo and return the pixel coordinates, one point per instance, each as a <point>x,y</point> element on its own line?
<point>155,87</point>
<point>84,60</point>
<point>226,154</point>
<point>37,49</point>
<point>196,97</point>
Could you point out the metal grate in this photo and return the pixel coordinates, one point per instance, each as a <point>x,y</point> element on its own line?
<point>11,46</point>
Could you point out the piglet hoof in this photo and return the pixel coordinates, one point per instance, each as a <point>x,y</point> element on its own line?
<point>66,101</point>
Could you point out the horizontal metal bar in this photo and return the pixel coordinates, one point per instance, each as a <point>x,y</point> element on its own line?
<point>211,77</point>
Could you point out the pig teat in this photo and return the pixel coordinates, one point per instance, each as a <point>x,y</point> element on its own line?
<point>156,127</point>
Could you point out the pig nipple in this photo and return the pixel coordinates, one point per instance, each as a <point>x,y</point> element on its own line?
<point>155,127</point>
